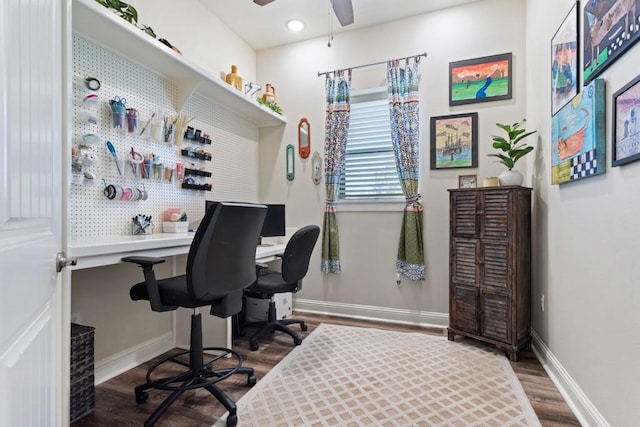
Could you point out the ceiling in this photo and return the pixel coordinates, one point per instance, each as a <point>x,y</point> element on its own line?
<point>264,27</point>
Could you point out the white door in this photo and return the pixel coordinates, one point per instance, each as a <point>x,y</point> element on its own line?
<point>31,332</point>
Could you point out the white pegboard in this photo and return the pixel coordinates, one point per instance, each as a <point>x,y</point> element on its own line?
<point>234,147</point>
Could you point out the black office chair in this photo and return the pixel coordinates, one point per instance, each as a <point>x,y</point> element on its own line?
<point>220,264</point>
<point>295,263</point>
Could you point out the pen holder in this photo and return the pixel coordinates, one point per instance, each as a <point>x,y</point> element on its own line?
<point>141,228</point>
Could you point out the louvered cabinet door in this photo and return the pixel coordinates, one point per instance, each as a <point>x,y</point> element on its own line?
<point>495,315</point>
<point>464,214</point>
<point>464,303</point>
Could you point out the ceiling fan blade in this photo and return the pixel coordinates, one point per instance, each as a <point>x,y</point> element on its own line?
<point>262,2</point>
<point>343,10</point>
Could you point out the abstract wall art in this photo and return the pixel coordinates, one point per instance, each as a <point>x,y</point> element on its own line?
<point>578,136</point>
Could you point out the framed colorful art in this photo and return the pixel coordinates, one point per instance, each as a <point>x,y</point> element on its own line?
<point>564,61</point>
<point>480,79</point>
<point>625,142</point>
<point>578,136</point>
<point>454,141</point>
<point>611,27</point>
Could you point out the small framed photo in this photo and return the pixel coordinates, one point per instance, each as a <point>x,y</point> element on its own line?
<point>625,142</point>
<point>467,181</point>
<point>480,79</point>
<point>454,141</point>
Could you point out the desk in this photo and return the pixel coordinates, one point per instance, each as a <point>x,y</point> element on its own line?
<point>103,294</point>
<point>107,250</point>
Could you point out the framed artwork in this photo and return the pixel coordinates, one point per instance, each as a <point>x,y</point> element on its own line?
<point>454,141</point>
<point>625,143</point>
<point>578,136</point>
<point>610,28</point>
<point>564,61</point>
<point>480,79</point>
<point>467,181</point>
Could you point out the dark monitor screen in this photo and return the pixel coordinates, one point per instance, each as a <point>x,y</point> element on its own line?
<point>274,224</point>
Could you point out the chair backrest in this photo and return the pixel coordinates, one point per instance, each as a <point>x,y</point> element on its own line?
<point>295,261</point>
<point>222,255</point>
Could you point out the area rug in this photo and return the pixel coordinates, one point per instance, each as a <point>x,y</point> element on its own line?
<point>351,376</point>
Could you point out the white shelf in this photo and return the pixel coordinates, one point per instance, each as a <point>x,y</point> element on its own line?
<point>96,23</point>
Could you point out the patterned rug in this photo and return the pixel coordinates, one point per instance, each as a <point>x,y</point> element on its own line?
<point>350,376</point>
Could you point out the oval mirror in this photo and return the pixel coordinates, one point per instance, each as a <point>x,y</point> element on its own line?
<point>304,138</point>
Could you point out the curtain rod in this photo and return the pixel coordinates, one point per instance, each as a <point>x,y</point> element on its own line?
<point>373,63</point>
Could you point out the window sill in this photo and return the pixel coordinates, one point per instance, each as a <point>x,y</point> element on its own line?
<point>379,205</point>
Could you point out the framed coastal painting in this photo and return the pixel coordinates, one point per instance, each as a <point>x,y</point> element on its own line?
<point>625,141</point>
<point>480,79</point>
<point>454,141</point>
<point>564,61</point>
<point>611,27</point>
<point>578,136</point>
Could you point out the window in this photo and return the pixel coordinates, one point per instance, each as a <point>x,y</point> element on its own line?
<point>370,166</point>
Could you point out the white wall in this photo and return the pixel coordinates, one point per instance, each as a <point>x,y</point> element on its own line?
<point>586,244</point>
<point>369,239</point>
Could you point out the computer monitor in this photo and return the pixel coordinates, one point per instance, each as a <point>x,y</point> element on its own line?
<point>274,222</point>
<point>209,203</point>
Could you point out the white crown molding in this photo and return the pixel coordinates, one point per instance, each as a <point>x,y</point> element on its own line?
<point>584,410</point>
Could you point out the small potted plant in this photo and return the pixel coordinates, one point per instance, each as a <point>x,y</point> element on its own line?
<point>513,148</point>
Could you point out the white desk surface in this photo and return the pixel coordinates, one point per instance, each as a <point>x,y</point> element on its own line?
<point>107,250</point>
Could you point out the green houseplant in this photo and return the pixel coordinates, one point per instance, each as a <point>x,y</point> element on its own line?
<point>512,148</point>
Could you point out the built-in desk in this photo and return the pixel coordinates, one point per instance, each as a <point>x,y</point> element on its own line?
<point>107,250</point>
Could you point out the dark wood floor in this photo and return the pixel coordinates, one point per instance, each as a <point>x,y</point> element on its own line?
<point>116,406</point>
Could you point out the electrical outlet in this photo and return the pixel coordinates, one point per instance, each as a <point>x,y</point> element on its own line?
<point>75,317</point>
<point>542,302</point>
<point>398,279</point>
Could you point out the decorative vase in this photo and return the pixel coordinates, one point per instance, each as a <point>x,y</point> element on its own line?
<point>234,79</point>
<point>510,178</point>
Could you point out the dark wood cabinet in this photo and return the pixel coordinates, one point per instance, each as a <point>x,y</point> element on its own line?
<point>490,266</point>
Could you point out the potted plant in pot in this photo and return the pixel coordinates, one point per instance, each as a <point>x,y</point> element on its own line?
<point>512,149</point>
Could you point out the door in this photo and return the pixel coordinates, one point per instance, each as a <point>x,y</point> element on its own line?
<point>31,334</point>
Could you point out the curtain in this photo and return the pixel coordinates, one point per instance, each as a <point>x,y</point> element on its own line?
<point>404,109</point>
<point>337,86</point>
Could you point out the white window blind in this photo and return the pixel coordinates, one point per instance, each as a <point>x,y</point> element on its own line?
<point>370,166</point>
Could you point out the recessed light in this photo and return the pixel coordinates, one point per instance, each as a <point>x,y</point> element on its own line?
<point>295,25</point>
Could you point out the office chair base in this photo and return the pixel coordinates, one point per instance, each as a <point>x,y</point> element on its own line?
<point>276,325</point>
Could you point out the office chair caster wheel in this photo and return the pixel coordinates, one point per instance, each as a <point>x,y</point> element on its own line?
<point>142,397</point>
<point>232,420</point>
<point>251,380</point>
<point>253,346</point>
<point>297,341</point>
<point>303,327</point>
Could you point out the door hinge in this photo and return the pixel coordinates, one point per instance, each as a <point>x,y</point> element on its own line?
<point>62,261</point>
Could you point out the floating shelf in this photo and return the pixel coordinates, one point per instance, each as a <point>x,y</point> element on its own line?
<point>192,154</point>
<point>202,187</point>
<point>98,24</point>
<point>196,172</point>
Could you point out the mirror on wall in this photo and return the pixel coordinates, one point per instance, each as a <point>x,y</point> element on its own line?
<point>304,138</point>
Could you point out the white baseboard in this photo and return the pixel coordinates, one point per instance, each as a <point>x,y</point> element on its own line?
<point>369,312</point>
<point>581,406</point>
<point>121,362</point>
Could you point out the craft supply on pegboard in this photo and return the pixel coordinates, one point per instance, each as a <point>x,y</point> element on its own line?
<point>139,143</point>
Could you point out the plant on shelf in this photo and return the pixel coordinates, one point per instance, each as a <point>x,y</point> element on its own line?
<point>275,107</point>
<point>126,12</point>
<point>513,149</point>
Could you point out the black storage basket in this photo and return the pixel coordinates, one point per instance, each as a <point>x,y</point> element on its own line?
<point>83,397</point>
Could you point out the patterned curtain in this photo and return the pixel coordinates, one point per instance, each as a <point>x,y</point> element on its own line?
<point>335,139</point>
<point>404,108</point>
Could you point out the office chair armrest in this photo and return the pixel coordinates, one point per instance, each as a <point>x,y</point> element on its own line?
<point>147,263</point>
<point>144,261</point>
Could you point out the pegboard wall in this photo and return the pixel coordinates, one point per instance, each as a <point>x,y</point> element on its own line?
<point>234,147</point>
